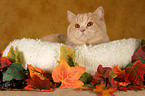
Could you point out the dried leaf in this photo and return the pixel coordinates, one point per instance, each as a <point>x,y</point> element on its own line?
<point>68,55</point>
<point>135,73</point>
<point>36,83</point>
<point>13,55</point>
<point>103,91</point>
<point>102,77</point>
<point>68,76</point>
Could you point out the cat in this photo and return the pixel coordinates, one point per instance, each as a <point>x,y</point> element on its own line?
<point>87,28</point>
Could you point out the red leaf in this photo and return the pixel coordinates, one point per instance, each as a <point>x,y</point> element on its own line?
<point>103,91</point>
<point>134,74</point>
<point>36,83</point>
<point>102,77</point>
<point>5,62</point>
<point>140,53</point>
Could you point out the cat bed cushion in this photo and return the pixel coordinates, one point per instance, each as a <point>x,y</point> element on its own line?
<point>46,54</point>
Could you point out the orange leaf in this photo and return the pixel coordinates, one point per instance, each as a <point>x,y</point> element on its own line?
<point>120,74</point>
<point>68,76</point>
<point>35,71</point>
<point>103,91</point>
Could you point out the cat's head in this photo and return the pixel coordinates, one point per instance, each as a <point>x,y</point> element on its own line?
<point>85,27</point>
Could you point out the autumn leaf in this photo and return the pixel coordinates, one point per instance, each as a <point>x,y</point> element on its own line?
<point>68,76</point>
<point>67,54</point>
<point>120,73</point>
<point>36,83</point>
<point>13,55</point>
<point>35,71</point>
<point>103,91</point>
<point>135,73</point>
<point>102,77</point>
<point>4,62</point>
<point>140,53</point>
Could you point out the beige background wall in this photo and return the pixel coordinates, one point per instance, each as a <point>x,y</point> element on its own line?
<point>37,18</point>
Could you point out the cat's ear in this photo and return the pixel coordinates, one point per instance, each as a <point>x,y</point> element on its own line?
<point>99,12</point>
<point>70,16</point>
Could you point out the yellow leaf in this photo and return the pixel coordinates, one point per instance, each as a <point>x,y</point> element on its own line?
<point>67,54</point>
<point>13,55</point>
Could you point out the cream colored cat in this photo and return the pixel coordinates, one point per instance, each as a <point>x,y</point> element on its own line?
<point>88,28</point>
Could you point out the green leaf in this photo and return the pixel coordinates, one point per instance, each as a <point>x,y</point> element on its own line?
<point>67,54</point>
<point>143,42</point>
<point>13,55</point>
<point>15,71</point>
<point>86,78</point>
<point>141,60</point>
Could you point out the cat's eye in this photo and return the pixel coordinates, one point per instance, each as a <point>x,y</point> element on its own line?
<point>90,24</point>
<point>77,26</point>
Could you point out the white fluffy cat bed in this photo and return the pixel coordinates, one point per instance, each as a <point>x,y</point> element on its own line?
<point>45,54</point>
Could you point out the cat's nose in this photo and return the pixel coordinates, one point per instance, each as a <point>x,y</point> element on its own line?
<point>82,30</point>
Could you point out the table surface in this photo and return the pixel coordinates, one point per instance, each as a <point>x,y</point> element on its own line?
<point>68,92</point>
